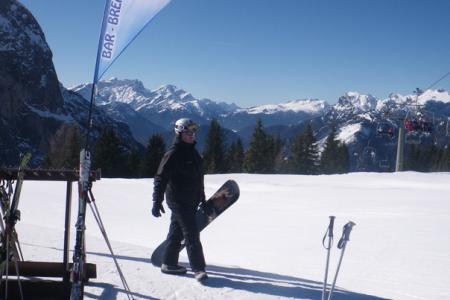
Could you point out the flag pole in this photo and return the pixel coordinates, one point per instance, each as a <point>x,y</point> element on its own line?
<point>77,275</point>
<point>95,80</point>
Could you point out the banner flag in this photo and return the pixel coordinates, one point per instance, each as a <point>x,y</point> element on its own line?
<point>123,20</point>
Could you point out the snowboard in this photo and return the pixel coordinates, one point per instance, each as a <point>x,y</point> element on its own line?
<point>225,196</point>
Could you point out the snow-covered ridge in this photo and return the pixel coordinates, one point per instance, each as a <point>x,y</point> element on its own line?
<point>434,95</point>
<point>347,133</point>
<point>311,106</point>
<point>356,101</point>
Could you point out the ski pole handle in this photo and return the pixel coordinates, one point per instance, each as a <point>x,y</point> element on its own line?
<point>329,233</point>
<point>330,227</point>
<point>346,234</point>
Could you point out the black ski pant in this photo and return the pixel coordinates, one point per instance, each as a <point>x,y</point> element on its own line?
<point>184,226</point>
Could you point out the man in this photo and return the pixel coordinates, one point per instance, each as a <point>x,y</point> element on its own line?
<point>180,176</point>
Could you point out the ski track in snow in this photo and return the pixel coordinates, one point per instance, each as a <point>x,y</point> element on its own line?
<point>268,244</point>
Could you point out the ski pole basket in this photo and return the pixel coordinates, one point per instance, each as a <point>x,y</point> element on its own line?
<point>37,288</point>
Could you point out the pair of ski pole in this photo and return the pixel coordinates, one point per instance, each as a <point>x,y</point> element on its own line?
<point>341,245</point>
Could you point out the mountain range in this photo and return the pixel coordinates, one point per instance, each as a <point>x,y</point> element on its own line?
<point>33,105</point>
<point>129,101</point>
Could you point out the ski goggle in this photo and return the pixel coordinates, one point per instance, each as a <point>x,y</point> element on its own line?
<point>190,128</point>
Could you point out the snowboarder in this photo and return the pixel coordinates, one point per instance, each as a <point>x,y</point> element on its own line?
<point>180,176</point>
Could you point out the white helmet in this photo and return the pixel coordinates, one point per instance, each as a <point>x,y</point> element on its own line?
<point>185,124</point>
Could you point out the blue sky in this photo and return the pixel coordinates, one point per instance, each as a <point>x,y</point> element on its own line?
<point>255,52</point>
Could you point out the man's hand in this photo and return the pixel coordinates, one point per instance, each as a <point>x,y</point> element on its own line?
<point>157,209</point>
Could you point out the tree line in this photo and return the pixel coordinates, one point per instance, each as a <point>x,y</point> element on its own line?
<point>427,158</point>
<point>265,154</point>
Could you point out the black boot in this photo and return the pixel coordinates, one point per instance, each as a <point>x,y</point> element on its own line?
<point>201,276</point>
<point>175,270</point>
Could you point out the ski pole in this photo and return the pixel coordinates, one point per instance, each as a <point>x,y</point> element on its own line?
<point>328,233</point>
<point>341,245</point>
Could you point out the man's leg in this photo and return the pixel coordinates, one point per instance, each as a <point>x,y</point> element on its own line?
<point>174,238</point>
<point>187,223</point>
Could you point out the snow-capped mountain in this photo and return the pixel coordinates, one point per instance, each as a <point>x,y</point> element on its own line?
<point>168,103</point>
<point>354,103</point>
<point>161,106</point>
<point>286,114</point>
<point>76,109</point>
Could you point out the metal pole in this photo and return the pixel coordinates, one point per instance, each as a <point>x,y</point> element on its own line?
<point>66,277</point>
<point>341,245</point>
<point>337,272</point>
<point>400,148</point>
<point>330,241</point>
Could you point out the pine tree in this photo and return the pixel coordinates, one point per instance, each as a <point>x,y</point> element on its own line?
<point>444,161</point>
<point>305,153</point>
<point>282,163</point>
<point>214,152</point>
<point>153,154</point>
<point>134,163</point>
<point>426,158</point>
<point>110,154</point>
<point>328,160</point>
<point>235,157</point>
<point>260,157</point>
<point>65,146</point>
<point>412,158</point>
<point>434,154</point>
<point>343,165</point>
<point>335,158</point>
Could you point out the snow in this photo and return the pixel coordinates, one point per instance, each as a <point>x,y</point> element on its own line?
<point>269,244</point>
<point>443,96</point>
<point>347,133</point>
<point>401,100</point>
<point>311,106</point>
<point>47,114</point>
<point>357,100</point>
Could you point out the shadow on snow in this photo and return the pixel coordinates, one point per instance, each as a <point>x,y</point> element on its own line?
<point>261,282</point>
<point>274,284</point>
<point>110,291</point>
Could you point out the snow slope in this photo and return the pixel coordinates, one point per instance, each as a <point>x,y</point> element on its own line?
<point>269,244</point>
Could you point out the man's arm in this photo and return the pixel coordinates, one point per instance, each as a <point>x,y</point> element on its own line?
<point>160,181</point>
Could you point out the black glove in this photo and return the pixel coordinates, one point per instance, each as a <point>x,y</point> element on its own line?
<point>157,209</point>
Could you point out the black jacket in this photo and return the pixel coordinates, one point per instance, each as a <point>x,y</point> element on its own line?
<point>180,176</point>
